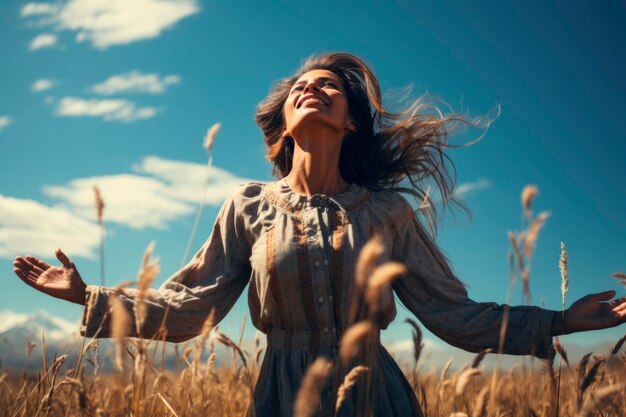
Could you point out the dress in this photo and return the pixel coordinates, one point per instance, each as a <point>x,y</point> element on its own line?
<point>298,255</point>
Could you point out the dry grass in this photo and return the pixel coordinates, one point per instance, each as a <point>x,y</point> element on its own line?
<point>592,387</point>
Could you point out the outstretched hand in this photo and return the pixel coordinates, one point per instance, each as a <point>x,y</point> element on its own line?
<point>593,312</point>
<point>62,282</point>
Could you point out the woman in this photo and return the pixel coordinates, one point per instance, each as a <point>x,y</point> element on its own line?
<point>341,159</point>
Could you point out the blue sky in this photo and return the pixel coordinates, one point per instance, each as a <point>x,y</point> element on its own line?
<point>89,96</point>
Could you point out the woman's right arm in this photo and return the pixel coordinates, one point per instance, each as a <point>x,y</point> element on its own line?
<point>213,279</point>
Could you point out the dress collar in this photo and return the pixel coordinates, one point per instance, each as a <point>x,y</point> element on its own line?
<point>351,199</point>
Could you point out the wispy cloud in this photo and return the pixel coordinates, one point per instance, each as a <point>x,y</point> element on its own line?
<point>108,109</point>
<point>467,188</point>
<point>111,22</point>
<point>156,193</point>
<point>407,345</point>
<point>44,40</point>
<point>135,82</point>
<point>159,192</point>
<point>27,226</point>
<point>5,121</point>
<point>38,9</point>
<point>42,85</point>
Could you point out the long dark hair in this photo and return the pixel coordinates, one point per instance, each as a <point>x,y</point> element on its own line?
<point>396,151</point>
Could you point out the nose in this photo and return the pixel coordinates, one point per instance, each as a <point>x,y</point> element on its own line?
<point>311,86</point>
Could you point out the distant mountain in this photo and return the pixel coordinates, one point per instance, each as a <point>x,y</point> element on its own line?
<point>62,337</point>
<point>18,330</point>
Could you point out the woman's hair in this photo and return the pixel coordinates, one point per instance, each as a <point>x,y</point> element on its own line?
<point>404,151</point>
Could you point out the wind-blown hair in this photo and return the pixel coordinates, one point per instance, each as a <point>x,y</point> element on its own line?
<point>395,151</point>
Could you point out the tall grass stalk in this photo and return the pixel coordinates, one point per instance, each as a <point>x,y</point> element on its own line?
<point>99,204</point>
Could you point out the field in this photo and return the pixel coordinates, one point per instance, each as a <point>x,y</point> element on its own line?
<point>141,385</point>
<point>592,387</point>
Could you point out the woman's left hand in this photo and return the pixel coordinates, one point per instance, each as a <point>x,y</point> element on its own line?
<point>593,312</point>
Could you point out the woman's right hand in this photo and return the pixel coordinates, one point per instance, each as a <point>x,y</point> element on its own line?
<point>62,282</point>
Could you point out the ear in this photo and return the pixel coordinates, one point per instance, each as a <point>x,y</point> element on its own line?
<point>351,126</point>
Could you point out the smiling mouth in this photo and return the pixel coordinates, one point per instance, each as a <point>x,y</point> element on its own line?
<point>311,99</point>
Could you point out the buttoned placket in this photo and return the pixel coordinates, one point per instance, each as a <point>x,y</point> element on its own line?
<point>317,218</point>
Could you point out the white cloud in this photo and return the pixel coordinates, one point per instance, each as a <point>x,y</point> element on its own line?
<point>135,82</point>
<point>106,23</point>
<point>467,188</point>
<point>160,192</point>
<point>108,109</point>
<point>5,121</point>
<point>27,226</point>
<point>44,40</point>
<point>34,9</point>
<point>42,85</point>
<point>407,346</point>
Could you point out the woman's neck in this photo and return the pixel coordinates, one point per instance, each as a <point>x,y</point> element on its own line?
<point>315,169</point>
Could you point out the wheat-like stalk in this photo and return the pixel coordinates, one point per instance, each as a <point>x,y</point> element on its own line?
<point>381,279</point>
<point>564,277</point>
<point>480,405</point>
<point>600,397</point>
<point>464,378</point>
<point>529,193</point>
<point>368,257</point>
<point>120,326</point>
<point>561,350</point>
<point>479,357</point>
<point>307,402</point>
<point>227,341</point>
<point>620,277</point>
<point>99,204</point>
<point>209,138</point>
<point>149,269</point>
<point>353,337</point>
<point>348,382</point>
<point>417,339</point>
<point>208,146</point>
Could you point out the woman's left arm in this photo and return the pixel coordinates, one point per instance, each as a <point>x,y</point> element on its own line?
<point>440,301</point>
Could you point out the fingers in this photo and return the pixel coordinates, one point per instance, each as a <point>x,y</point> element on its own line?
<point>28,279</point>
<point>27,266</point>
<point>63,258</point>
<point>41,264</point>
<point>602,296</point>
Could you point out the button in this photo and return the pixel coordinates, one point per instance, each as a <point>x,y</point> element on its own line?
<point>330,297</point>
<point>325,329</point>
<point>326,262</point>
<point>321,300</point>
<point>317,264</point>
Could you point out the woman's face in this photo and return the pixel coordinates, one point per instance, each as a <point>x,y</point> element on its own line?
<point>317,97</point>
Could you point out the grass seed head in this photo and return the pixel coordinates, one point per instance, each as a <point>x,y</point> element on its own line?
<point>564,278</point>
<point>307,403</point>
<point>381,279</point>
<point>368,257</point>
<point>99,203</point>
<point>210,136</point>
<point>354,336</point>
<point>348,383</point>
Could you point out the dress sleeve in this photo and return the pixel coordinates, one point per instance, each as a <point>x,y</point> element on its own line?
<point>439,300</point>
<point>213,279</point>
